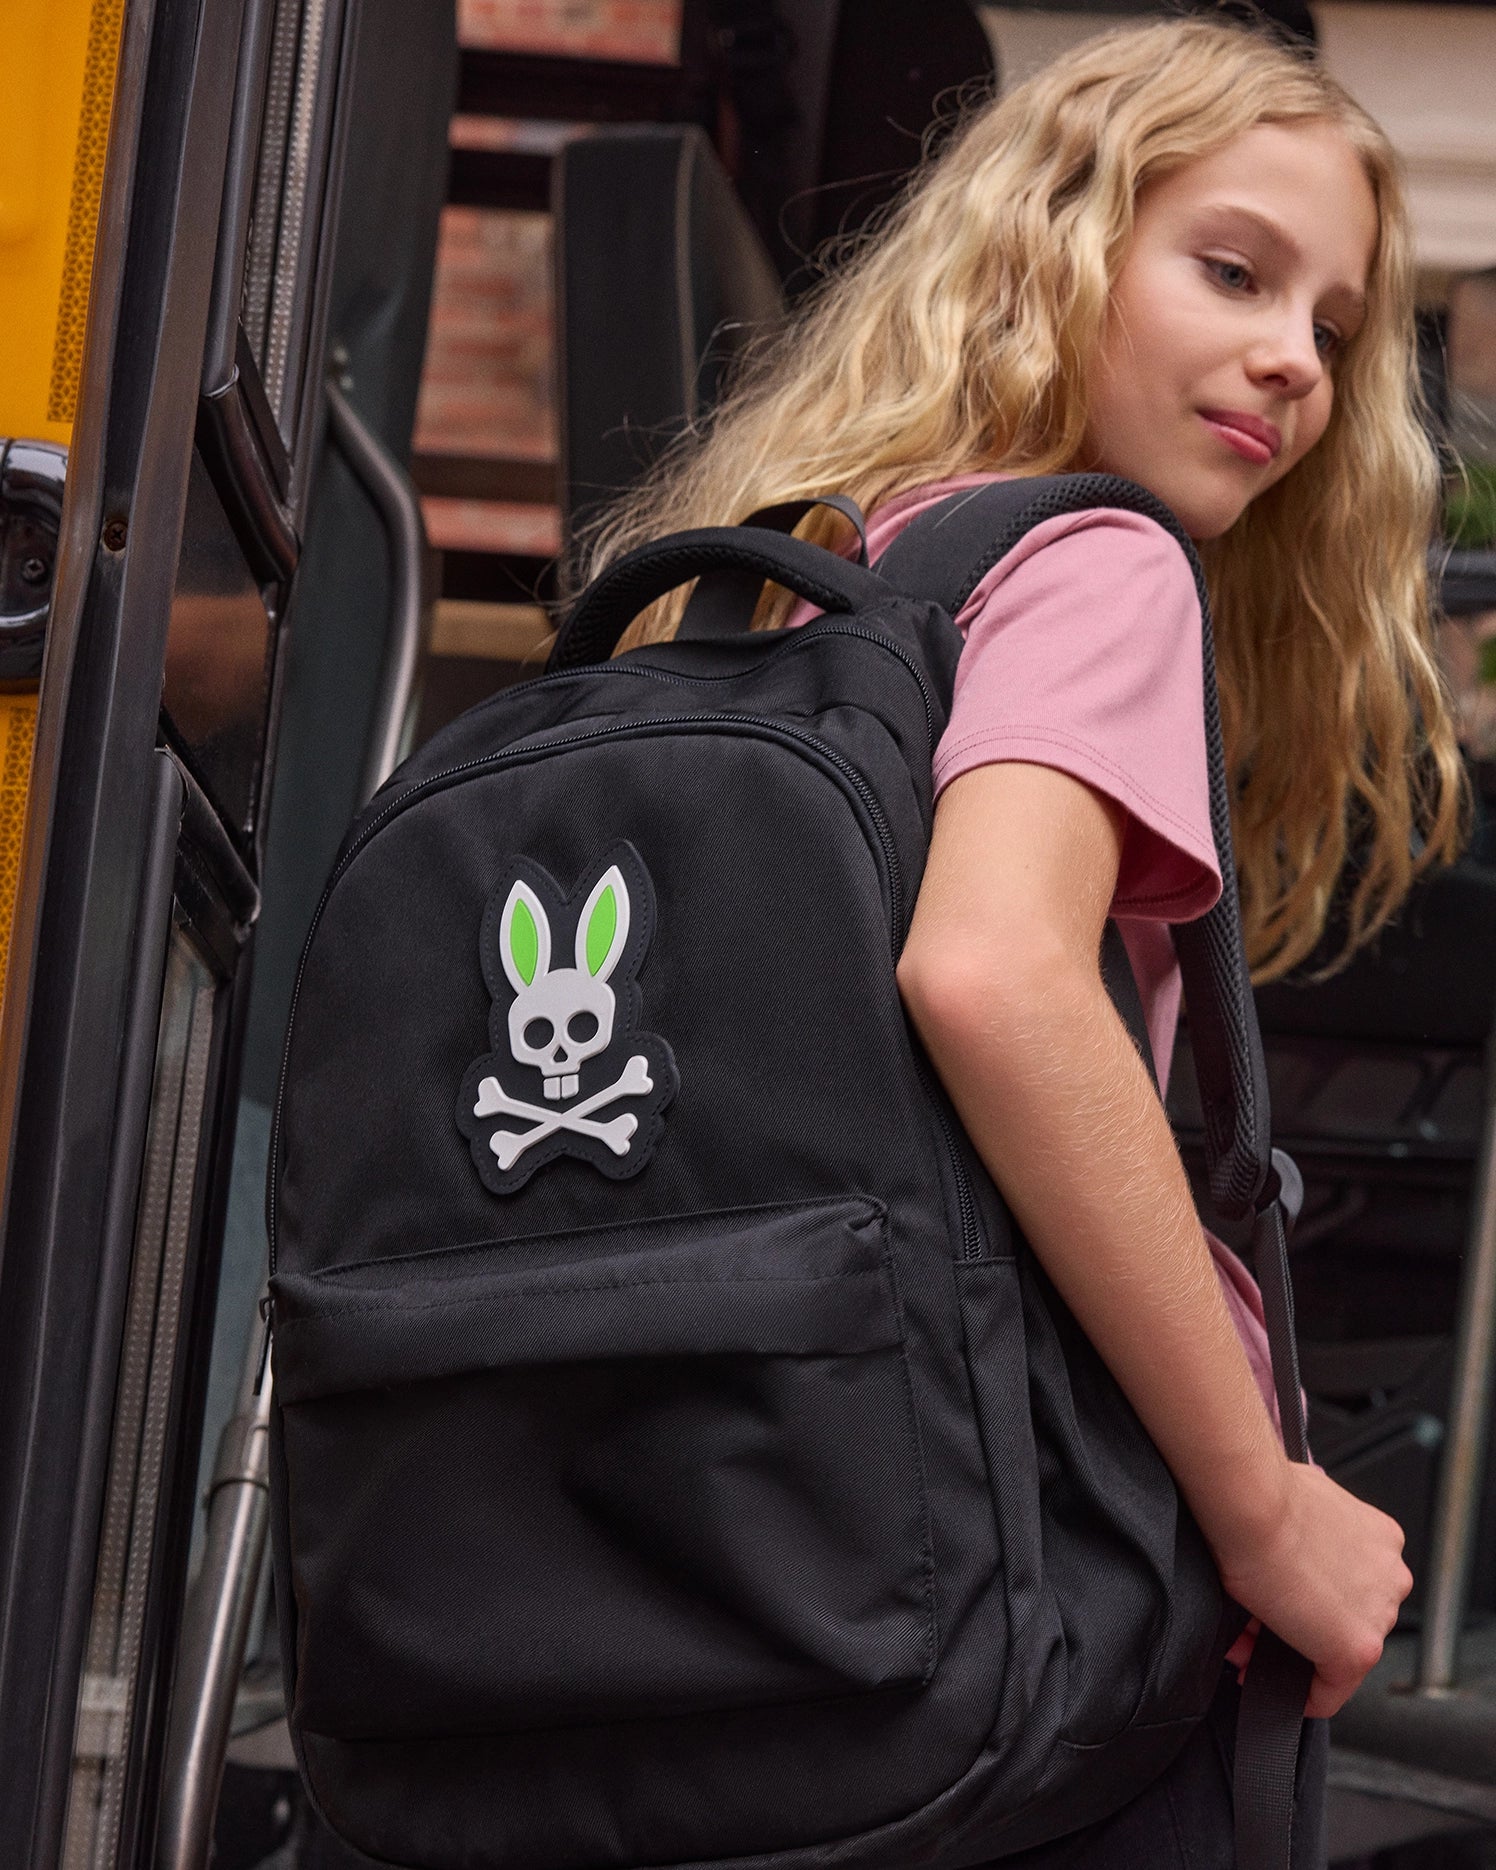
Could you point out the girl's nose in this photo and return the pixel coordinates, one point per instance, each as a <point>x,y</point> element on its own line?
<point>1289,360</point>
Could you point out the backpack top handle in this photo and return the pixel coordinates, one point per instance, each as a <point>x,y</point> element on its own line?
<point>724,605</point>
<point>616,596</point>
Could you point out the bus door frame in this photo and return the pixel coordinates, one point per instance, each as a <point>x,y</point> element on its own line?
<point>128,866</point>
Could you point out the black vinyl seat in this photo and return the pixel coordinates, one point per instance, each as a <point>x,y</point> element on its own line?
<point>661,282</point>
<point>1428,979</point>
<point>666,270</point>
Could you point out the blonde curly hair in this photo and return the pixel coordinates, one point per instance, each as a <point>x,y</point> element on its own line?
<point>956,338</point>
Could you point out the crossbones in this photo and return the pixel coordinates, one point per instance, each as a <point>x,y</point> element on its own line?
<point>509,1145</point>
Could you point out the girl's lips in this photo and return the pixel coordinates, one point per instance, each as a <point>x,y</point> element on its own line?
<point>1252,438</point>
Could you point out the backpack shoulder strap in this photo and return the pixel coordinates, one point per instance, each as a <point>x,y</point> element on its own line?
<point>943,555</point>
<point>1122,988</point>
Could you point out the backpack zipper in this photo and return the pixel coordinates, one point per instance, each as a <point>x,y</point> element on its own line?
<point>680,680</point>
<point>829,629</point>
<point>971,1233</point>
<point>492,762</point>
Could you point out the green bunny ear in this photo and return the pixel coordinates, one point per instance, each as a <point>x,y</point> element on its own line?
<point>524,942</point>
<point>601,926</point>
<point>524,937</point>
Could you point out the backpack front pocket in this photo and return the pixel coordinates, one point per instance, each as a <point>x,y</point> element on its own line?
<point>625,1473</point>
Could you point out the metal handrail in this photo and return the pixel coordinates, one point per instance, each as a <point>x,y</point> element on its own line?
<point>1457,1508</point>
<point>220,1605</point>
<point>216,1623</point>
<point>394,497</point>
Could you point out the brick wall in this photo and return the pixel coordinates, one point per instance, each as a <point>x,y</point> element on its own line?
<point>648,30</point>
<point>487,385</point>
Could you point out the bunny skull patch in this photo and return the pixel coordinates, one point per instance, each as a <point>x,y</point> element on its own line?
<point>570,1073</point>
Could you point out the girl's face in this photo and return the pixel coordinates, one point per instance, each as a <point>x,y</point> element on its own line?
<point>1245,280</point>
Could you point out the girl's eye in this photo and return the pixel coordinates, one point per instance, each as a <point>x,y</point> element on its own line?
<point>1234,275</point>
<point>1327,340</point>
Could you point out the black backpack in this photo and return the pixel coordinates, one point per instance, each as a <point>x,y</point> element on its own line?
<point>678,1455</point>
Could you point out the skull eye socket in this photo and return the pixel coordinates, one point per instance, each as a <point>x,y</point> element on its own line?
<point>538,1034</point>
<point>581,1027</point>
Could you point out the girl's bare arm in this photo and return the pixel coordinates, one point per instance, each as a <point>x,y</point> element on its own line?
<point>1001,978</point>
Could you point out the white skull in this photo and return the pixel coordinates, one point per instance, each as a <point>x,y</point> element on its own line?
<point>561,1020</point>
<point>562,1016</point>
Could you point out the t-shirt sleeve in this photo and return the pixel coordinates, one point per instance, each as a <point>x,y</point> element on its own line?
<point>1083,653</point>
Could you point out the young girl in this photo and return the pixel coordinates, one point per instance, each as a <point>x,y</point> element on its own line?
<point>1180,255</point>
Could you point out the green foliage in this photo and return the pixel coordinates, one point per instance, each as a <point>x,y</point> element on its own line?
<point>1470,506</point>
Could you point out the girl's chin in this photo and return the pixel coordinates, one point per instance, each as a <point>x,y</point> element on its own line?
<point>1206,503</point>
<point>1207,506</point>
<point>1203,526</point>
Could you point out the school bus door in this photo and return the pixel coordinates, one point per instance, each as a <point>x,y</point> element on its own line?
<point>167,192</point>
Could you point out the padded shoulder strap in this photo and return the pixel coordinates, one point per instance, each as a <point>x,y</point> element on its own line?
<point>943,555</point>
<point>1122,988</point>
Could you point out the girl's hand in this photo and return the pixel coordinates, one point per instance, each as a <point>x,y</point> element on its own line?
<point>1328,1577</point>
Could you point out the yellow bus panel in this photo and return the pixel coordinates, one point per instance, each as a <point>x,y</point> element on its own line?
<point>17,732</point>
<point>57,65</point>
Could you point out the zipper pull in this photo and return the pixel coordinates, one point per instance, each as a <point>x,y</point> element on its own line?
<point>266,1310</point>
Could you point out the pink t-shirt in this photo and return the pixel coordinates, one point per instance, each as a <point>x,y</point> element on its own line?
<point>1083,653</point>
